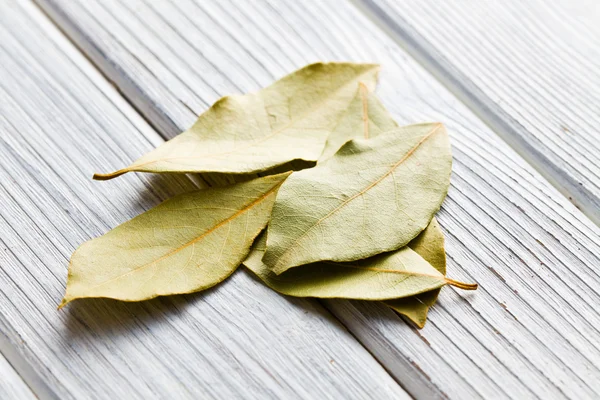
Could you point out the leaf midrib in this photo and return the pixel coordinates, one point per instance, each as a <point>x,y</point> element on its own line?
<point>364,93</point>
<point>441,278</point>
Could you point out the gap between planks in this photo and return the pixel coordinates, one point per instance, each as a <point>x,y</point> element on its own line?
<point>31,384</point>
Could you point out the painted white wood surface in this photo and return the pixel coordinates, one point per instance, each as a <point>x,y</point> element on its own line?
<point>532,330</point>
<point>60,121</point>
<point>11,384</point>
<point>530,69</point>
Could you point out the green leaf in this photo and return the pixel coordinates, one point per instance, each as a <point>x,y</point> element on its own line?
<point>365,117</point>
<point>289,120</point>
<point>386,276</point>
<point>373,196</point>
<point>429,245</point>
<point>186,244</point>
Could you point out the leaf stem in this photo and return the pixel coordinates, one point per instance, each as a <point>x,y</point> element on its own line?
<point>106,177</point>
<point>461,285</point>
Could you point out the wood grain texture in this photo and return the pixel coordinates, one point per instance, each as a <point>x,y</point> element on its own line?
<point>11,384</point>
<point>532,330</point>
<point>60,121</point>
<point>530,69</point>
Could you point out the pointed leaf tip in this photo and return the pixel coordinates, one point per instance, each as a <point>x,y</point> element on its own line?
<point>63,303</point>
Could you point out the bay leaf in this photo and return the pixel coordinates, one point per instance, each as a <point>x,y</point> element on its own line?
<point>374,195</point>
<point>365,117</point>
<point>186,244</point>
<point>289,120</point>
<point>385,276</point>
<point>395,275</point>
<point>429,245</point>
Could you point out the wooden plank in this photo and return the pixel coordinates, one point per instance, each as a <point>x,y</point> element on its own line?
<point>530,69</point>
<point>60,121</point>
<point>11,354</point>
<point>532,329</point>
<point>11,384</point>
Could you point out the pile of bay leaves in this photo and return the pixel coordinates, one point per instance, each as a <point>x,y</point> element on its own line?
<point>358,224</point>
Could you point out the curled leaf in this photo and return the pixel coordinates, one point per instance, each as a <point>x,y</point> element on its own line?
<point>289,120</point>
<point>373,196</point>
<point>188,243</point>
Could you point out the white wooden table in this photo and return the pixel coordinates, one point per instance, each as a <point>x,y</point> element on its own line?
<point>89,85</point>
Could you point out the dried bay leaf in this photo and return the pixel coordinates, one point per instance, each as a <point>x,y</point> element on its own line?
<point>373,196</point>
<point>384,276</point>
<point>289,120</point>
<point>188,243</point>
<point>394,275</point>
